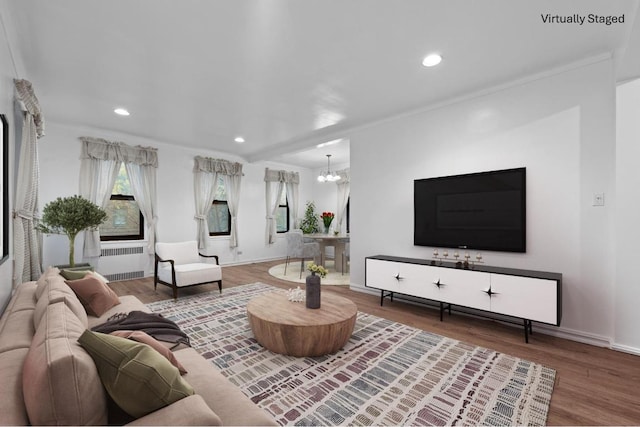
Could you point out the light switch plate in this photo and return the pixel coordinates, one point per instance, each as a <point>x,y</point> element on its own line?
<point>598,199</point>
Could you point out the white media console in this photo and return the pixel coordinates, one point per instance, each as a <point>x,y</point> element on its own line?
<point>525,294</point>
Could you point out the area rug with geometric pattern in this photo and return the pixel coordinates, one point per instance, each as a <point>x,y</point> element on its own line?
<point>387,374</point>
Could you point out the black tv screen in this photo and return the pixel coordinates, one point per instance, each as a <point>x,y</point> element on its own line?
<point>485,210</point>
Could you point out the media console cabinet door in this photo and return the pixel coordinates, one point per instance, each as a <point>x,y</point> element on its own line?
<point>465,288</point>
<point>526,297</point>
<point>404,278</point>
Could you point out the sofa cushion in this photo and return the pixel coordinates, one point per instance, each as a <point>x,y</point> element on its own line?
<point>128,303</point>
<point>16,327</point>
<point>42,281</point>
<point>17,330</point>
<point>143,337</point>
<point>223,397</point>
<point>139,379</point>
<point>95,296</point>
<point>60,381</point>
<point>23,298</point>
<point>56,290</point>
<point>12,409</point>
<point>190,411</point>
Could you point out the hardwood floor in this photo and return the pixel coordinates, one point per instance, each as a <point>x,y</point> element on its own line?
<point>594,386</point>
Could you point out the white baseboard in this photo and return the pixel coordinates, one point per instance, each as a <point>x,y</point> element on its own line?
<point>574,335</point>
<point>626,349</point>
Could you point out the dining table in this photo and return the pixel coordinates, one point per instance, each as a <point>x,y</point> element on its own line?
<point>338,241</point>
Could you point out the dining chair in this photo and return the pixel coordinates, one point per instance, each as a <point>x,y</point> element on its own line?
<point>346,257</point>
<point>298,248</point>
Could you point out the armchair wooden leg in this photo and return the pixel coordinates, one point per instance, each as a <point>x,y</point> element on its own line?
<point>286,263</point>
<point>175,293</point>
<point>301,267</point>
<point>220,285</point>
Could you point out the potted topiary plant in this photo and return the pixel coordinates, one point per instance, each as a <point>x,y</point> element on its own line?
<point>69,216</point>
<point>309,223</point>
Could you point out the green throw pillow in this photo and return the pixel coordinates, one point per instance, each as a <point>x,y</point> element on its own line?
<point>139,379</point>
<point>75,274</point>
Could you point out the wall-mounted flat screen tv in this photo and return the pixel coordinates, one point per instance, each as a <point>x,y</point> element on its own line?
<point>485,210</point>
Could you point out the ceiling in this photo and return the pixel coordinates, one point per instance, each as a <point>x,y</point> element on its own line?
<point>288,74</point>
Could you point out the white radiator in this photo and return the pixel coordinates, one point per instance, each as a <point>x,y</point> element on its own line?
<point>123,263</point>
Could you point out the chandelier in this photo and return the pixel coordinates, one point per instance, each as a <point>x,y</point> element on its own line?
<point>327,176</point>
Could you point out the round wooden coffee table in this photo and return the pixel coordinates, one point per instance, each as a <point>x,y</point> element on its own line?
<point>291,328</point>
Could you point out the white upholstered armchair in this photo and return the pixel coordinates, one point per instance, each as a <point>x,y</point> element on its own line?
<point>180,264</point>
<point>298,248</point>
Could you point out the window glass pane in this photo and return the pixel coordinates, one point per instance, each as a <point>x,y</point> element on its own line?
<point>122,184</point>
<point>221,192</point>
<point>123,219</point>
<point>219,218</point>
<point>281,219</point>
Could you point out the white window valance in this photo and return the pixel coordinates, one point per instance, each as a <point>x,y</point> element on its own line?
<point>220,166</point>
<point>27,97</point>
<point>271,175</point>
<point>101,149</point>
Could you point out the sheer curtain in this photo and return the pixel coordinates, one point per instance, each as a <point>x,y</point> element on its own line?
<point>100,161</point>
<point>96,182</point>
<point>292,199</point>
<point>143,186</point>
<point>232,184</point>
<point>206,172</point>
<point>204,189</point>
<point>275,181</point>
<point>27,242</point>
<point>344,190</point>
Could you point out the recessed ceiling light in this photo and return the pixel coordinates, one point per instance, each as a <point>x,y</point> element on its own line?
<point>239,139</point>
<point>121,112</point>
<point>431,60</point>
<point>325,144</point>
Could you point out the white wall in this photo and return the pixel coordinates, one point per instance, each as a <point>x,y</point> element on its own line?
<point>60,168</point>
<point>560,127</point>
<point>627,292</point>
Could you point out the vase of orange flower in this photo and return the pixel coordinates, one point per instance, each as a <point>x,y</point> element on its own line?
<point>327,218</point>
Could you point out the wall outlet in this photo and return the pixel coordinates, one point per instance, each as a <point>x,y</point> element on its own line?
<point>598,199</point>
<point>239,252</point>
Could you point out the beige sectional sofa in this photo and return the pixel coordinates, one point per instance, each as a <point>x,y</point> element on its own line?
<point>47,377</point>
